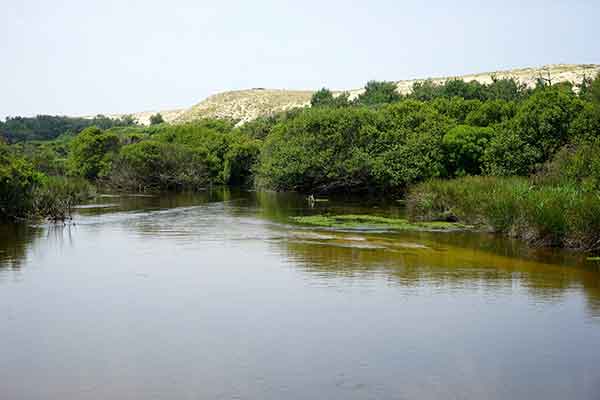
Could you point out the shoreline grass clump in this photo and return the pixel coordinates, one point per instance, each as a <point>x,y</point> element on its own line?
<point>366,222</point>
<point>543,215</point>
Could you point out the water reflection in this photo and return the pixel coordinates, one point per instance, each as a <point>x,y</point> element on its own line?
<point>219,295</point>
<point>15,240</point>
<point>457,260</point>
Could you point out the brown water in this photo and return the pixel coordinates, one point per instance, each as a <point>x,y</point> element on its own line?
<point>221,296</point>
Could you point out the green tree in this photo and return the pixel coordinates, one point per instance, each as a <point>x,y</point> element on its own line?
<point>544,119</point>
<point>151,165</point>
<point>508,154</point>
<point>464,147</point>
<point>18,180</point>
<point>156,119</point>
<point>325,98</point>
<point>379,92</point>
<point>92,152</point>
<point>491,112</point>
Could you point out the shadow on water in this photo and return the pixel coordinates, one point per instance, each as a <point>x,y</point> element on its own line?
<point>15,241</point>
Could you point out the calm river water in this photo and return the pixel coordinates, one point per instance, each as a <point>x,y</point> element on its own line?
<point>220,296</point>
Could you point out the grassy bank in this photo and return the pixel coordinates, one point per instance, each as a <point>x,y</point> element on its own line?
<point>544,215</point>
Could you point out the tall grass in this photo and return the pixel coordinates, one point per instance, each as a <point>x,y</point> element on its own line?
<point>545,215</point>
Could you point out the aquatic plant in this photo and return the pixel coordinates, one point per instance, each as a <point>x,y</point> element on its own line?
<point>366,222</point>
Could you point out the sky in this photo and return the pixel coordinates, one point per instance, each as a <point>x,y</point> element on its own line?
<point>102,56</point>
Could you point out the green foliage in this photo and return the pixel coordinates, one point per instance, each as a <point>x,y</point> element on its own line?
<point>18,178</point>
<point>508,154</point>
<point>55,198</point>
<point>548,215</point>
<point>506,89</point>
<point>156,119</point>
<point>47,127</point>
<point>92,152</point>
<point>321,148</point>
<point>576,164</point>
<point>378,92</point>
<point>586,124</point>
<point>590,89</point>
<point>464,147</point>
<point>325,98</point>
<point>185,156</point>
<point>543,120</point>
<point>456,107</point>
<point>261,127</point>
<point>328,149</point>
<point>239,161</point>
<point>418,157</point>
<point>491,112</point>
<point>541,126</point>
<point>26,192</point>
<point>151,165</point>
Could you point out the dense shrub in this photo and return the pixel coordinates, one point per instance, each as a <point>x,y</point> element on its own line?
<point>320,149</point>
<point>325,98</point>
<point>357,148</point>
<point>575,164</point>
<point>456,108</point>
<point>378,92</point>
<point>464,147</point>
<point>239,162</point>
<point>26,192</point>
<point>156,119</point>
<point>151,165</point>
<point>18,178</point>
<point>507,89</point>
<point>543,121</point>
<point>92,152</point>
<point>491,112</point>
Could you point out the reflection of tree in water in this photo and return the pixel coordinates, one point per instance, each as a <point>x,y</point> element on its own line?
<point>477,265</point>
<point>15,241</point>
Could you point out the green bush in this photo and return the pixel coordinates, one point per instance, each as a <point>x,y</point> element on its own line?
<point>456,108</point>
<point>154,165</point>
<point>18,179</point>
<point>92,152</point>
<point>507,154</point>
<point>491,112</point>
<point>240,160</point>
<point>325,98</point>
<point>576,164</point>
<point>464,147</point>
<point>378,92</point>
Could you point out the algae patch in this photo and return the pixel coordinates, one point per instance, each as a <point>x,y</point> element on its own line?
<point>376,222</point>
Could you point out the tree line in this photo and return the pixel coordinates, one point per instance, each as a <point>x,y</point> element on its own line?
<point>380,141</point>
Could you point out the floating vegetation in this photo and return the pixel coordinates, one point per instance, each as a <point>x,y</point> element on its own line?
<point>375,222</point>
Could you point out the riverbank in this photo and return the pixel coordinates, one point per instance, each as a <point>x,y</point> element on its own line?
<point>542,215</point>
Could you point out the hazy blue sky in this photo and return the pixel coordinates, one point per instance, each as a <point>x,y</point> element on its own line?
<point>88,57</point>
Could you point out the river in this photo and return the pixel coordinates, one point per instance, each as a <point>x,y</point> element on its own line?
<point>220,295</point>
